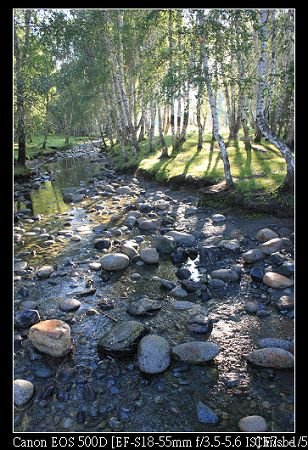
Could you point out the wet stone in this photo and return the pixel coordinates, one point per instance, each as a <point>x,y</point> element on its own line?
<point>23,392</point>
<point>178,292</point>
<point>115,261</point>
<point>102,244</point>
<point>69,305</point>
<point>165,244</point>
<point>218,218</point>
<point>217,283</point>
<point>182,238</point>
<point>143,306</point>
<point>44,271</point>
<point>20,265</point>
<point>266,234</point>
<point>286,269</point>
<point>122,339</point>
<point>183,305</point>
<point>200,323</point>
<point>209,255</point>
<point>52,337</point>
<point>206,414</point>
<point>276,281</point>
<point>253,255</point>
<point>252,424</point>
<point>275,343</point>
<point>252,307</point>
<point>286,302</point>
<point>27,318</point>
<point>195,352</point>
<point>257,274</point>
<point>276,358</point>
<point>183,274</point>
<point>273,245</point>
<point>95,266</point>
<point>149,256</point>
<point>227,275</point>
<point>153,354</point>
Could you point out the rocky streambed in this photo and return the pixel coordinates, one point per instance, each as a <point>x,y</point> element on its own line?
<point>136,310</point>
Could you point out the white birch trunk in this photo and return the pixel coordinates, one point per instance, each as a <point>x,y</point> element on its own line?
<point>223,151</point>
<point>152,126</point>
<point>279,143</point>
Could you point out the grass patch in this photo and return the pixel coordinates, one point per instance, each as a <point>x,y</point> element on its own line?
<point>55,142</point>
<point>263,169</point>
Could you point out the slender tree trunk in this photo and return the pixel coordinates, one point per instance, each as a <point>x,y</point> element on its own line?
<point>199,122</point>
<point>279,143</point>
<point>142,126</point>
<point>164,152</point>
<point>167,121</point>
<point>178,121</point>
<point>152,127</point>
<point>120,133</point>
<point>46,122</point>
<point>224,155</point>
<point>186,115</point>
<point>20,89</point>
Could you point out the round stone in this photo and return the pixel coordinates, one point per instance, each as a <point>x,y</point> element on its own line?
<point>195,352</point>
<point>218,218</point>
<point>286,302</point>
<point>276,358</point>
<point>44,271</point>
<point>149,255</point>
<point>183,274</point>
<point>257,274</point>
<point>252,423</point>
<point>23,392</point>
<point>276,281</point>
<point>52,337</point>
<point>165,244</point>
<point>27,318</point>
<point>115,261</point>
<point>153,354</point>
<point>69,305</point>
<point>206,414</point>
<point>266,234</point>
<point>253,255</point>
<point>122,339</point>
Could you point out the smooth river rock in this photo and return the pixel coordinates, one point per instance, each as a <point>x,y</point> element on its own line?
<point>153,354</point>
<point>52,337</point>
<point>266,234</point>
<point>129,249</point>
<point>275,343</point>
<point>276,358</point>
<point>149,255</point>
<point>165,244</point>
<point>252,423</point>
<point>232,245</point>
<point>27,318</point>
<point>122,339</point>
<point>143,306</point>
<point>44,271</point>
<point>286,302</point>
<point>195,352</point>
<point>182,238</point>
<point>277,281</point>
<point>253,255</point>
<point>23,392</point>
<point>148,225</point>
<point>228,275</point>
<point>178,292</point>
<point>115,261</point>
<point>69,305</point>
<point>273,245</point>
<point>206,414</point>
<point>218,218</point>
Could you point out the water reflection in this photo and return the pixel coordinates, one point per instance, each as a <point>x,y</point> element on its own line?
<point>48,200</point>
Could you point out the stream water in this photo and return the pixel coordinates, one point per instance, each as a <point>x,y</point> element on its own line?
<point>82,392</point>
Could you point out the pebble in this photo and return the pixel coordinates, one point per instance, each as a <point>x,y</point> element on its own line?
<point>218,218</point>
<point>23,392</point>
<point>206,414</point>
<point>276,281</point>
<point>286,302</point>
<point>257,274</point>
<point>44,271</point>
<point>115,261</point>
<point>252,424</point>
<point>228,275</point>
<point>149,256</point>
<point>178,292</point>
<point>266,234</point>
<point>276,358</point>
<point>275,343</point>
<point>27,318</point>
<point>52,337</point>
<point>153,354</point>
<point>69,305</point>
<point>252,307</point>
<point>195,352</point>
